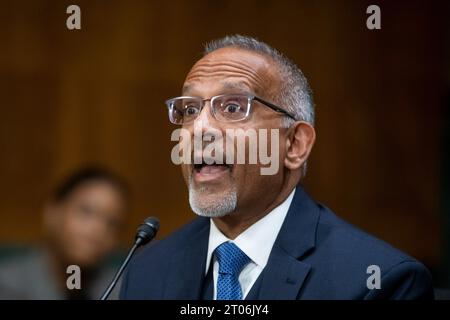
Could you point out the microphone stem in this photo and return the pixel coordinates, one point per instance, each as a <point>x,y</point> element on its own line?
<point>121,269</point>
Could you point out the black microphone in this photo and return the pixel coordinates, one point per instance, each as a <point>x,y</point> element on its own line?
<point>145,232</point>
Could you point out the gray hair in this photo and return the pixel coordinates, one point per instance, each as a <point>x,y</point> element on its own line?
<point>295,93</point>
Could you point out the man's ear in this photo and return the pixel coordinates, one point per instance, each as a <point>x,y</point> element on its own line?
<point>299,142</point>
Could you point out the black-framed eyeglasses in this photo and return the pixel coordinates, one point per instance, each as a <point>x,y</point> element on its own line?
<point>226,107</point>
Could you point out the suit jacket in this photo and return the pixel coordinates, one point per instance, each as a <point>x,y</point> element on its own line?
<point>315,256</point>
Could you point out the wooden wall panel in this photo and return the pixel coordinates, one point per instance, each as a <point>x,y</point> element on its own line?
<point>96,95</point>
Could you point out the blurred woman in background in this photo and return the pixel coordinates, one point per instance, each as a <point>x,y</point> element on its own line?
<point>82,223</point>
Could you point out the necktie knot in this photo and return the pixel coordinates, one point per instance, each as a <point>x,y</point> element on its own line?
<point>231,259</point>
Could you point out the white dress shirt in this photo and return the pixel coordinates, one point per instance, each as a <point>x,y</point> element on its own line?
<point>256,242</point>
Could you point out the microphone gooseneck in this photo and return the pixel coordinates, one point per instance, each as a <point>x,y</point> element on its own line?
<point>144,234</point>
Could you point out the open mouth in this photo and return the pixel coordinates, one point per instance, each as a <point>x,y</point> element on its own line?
<point>204,171</point>
<point>211,167</point>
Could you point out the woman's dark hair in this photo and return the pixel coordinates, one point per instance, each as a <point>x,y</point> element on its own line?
<point>87,175</point>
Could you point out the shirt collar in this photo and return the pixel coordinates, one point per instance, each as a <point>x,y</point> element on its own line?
<point>257,240</point>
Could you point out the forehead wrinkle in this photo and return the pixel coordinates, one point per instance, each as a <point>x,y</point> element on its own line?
<point>204,75</point>
<point>242,85</point>
<point>229,63</point>
<point>226,81</point>
<point>217,69</point>
<point>227,75</point>
<point>236,65</point>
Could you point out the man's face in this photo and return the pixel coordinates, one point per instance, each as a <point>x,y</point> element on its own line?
<point>216,190</point>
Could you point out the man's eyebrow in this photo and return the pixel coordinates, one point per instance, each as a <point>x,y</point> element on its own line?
<point>227,85</point>
<point>186,87</point>
<point>241,85</point>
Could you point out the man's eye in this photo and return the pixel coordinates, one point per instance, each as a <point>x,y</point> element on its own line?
<point>190,110</point>
<point>232,108</point>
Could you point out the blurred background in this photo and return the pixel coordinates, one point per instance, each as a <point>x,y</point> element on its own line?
<point>95,96</point>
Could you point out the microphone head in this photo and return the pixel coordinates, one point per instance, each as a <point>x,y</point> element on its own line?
<point>147,230</point>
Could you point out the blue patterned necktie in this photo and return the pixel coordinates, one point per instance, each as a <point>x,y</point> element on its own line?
<point>231,262</point>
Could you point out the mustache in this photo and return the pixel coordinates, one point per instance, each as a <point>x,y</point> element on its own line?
<point>206,157</point>
<point>212,154</point>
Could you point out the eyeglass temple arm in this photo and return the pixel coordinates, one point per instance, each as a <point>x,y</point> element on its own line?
<point>275,107</point>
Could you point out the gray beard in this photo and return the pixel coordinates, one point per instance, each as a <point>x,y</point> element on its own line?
<point>209,204</point>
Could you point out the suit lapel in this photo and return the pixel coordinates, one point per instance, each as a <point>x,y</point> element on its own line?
<point>283,277</point>
<point>285,273</point>
<point>187,267</point>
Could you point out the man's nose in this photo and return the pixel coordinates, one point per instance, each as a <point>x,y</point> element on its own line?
<point>209,127</point>
<point>205,119</point>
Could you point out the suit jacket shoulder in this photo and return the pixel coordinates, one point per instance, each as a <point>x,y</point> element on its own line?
<point>348,263</point>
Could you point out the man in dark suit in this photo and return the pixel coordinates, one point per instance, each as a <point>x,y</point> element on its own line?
<point>259,235</point>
